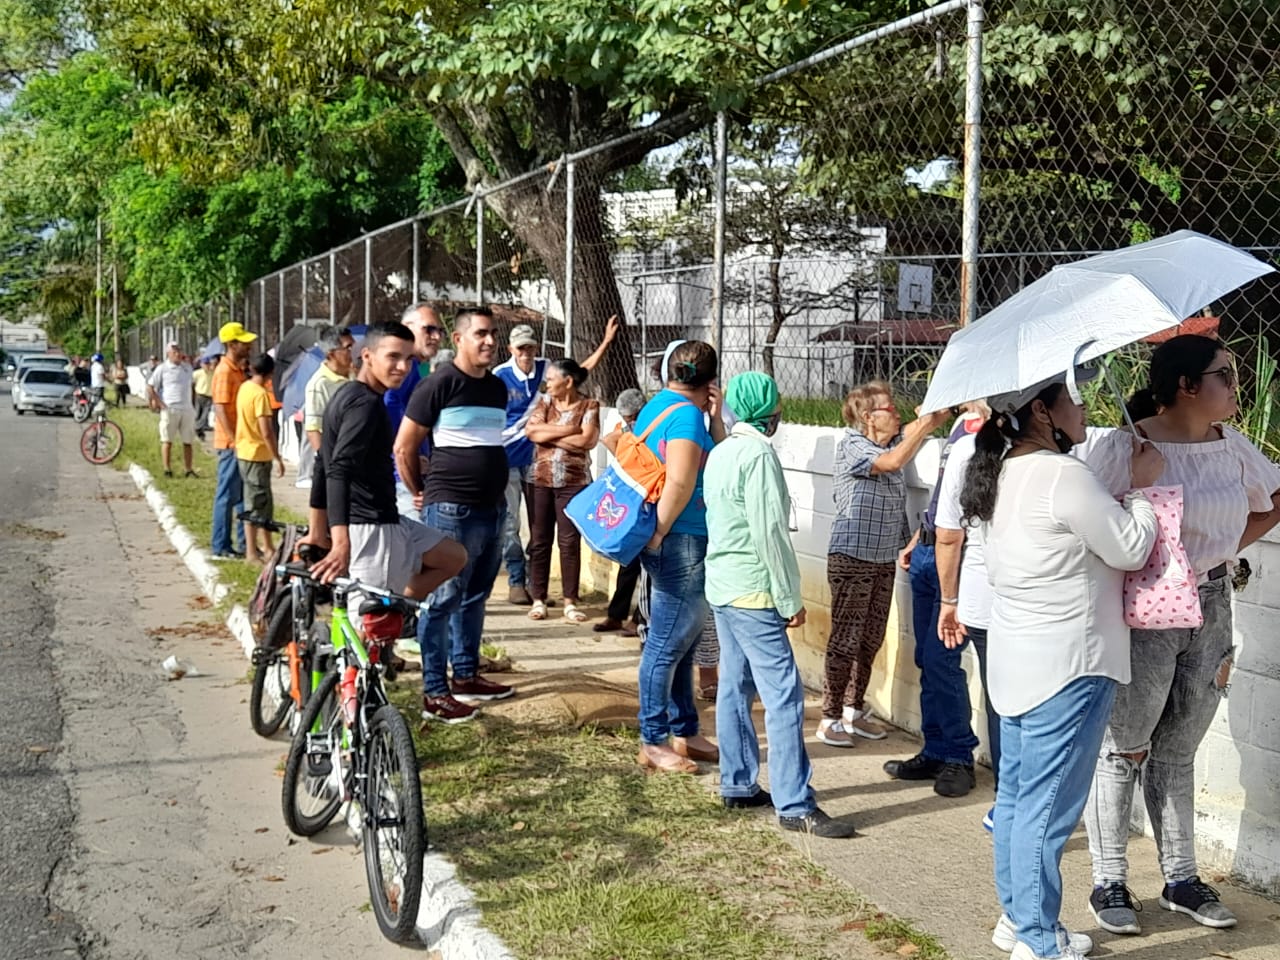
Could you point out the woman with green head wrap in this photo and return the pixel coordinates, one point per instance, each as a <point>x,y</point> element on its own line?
<point>753,587</point>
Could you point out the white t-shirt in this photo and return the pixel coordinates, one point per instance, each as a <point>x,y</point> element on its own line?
<point>974,609</point>
<point>172,381</point>
<point>97,375</point>
<point>1222,482</point>
<point>1056,551</point>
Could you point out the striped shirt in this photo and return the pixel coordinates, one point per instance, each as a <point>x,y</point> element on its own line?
<point>1222,482</point>
<point>466,416</point>
<point>523,394</point>
<point>871,508</point>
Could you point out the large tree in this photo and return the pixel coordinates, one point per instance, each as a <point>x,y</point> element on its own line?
<point>512,86</point>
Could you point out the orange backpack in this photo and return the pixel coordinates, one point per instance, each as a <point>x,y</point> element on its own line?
<point>640,463</point>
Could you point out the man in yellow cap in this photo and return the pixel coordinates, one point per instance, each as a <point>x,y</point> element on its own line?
<point>227,379</point>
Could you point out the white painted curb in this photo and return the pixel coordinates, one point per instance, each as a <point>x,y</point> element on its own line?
<point>448,920</point>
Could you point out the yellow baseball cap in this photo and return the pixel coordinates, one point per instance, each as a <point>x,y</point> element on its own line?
<point>235,331</point>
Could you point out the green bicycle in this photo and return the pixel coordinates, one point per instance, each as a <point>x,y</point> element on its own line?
<point>352,745</point>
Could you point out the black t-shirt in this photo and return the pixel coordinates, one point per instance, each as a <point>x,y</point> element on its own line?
<point>466,417</point>
<point>353,478</point>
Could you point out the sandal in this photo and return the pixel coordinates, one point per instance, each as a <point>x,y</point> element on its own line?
<point>573,614</point>
<point>538,611</point>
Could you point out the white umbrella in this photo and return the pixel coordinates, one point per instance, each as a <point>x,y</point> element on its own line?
<point>1084,310</point>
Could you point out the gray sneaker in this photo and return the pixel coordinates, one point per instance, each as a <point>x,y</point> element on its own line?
<point>1112,906</point>
<point>1197,900</point>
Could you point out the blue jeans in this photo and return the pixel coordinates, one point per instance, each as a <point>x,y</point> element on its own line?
<point>1046,766</point>
<point>460,599</point>
<point>756,658</point>
<point>978,637</point>
<point>513,554</point>
<point>944,687</point>
<point>677,614</point>
<point>227,497</point>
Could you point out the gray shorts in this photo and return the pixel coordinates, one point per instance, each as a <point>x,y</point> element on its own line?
<point>387,555</point>
<point>256,477</point>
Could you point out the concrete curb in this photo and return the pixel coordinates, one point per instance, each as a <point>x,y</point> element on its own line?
<point>448,920</point>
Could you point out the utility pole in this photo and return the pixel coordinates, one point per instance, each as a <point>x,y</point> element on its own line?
<point>97,294</point>
<point>115,309</point>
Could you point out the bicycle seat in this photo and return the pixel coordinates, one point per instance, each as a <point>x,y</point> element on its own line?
<point>386,605</point>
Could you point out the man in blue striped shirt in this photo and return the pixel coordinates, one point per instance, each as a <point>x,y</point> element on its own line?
<point>522,376</point>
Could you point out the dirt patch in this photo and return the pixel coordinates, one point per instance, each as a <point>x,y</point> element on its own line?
<point>105,497</point>
<point>189,630</point>
<point>26,532</point>
<point>571,699</point>
<point>200,602</point>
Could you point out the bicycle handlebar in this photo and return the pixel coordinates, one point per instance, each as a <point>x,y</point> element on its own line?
<point>348,583</point>
<point>246,517</point>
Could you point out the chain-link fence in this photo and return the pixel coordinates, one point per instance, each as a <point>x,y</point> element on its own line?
<point>843,244</point>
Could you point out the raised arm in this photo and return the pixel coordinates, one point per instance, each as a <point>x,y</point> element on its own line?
<point>610,334</point>
<point>914,434</point>
<point>1121,535</point>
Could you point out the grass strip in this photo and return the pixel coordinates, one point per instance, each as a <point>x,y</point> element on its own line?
<point>574,852</point>
<point>190,497</point>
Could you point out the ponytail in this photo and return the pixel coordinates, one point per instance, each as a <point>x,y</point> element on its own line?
<point>981,479</point>
<point>1142,405</point>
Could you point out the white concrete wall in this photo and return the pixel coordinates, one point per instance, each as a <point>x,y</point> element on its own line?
<point>1238,766</point>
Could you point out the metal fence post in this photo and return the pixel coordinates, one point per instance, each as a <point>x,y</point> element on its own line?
<point>972,165</point>
<point>368,277</point>
<point>306,268</point>
<point>717,265</point>
<point>262,307</point>
<point>280,285</point>
<point>570,177</point>
<point>333,288</point>
<point>417,241</point>
<point>480,249</point>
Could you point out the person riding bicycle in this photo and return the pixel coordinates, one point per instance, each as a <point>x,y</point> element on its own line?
<point>355,486</point>
<point>97,380</point>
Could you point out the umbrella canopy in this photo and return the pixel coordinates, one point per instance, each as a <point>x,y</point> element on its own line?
<point>1084,310</point>
<point>293,382</point>
<point>301,337</point>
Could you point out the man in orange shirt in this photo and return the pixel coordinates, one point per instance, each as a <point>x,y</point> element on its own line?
<point>227,379</point>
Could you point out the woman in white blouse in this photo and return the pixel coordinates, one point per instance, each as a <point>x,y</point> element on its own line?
<point>1230,495</point>
<point>1057,544</point>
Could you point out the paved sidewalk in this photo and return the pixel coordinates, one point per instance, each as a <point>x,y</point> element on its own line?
<point>921,857</point>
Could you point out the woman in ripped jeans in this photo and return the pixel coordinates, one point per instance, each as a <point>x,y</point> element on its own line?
<point>1230,492</point>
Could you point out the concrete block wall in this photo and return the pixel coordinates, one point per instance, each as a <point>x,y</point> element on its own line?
<point>1238,765</point>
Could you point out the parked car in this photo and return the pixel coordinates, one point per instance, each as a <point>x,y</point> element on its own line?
<point>43,391</point>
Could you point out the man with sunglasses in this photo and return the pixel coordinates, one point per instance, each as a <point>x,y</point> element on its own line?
<point>428,332</point>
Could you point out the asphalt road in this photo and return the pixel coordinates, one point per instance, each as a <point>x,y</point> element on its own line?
<point>37,820</point>
<point>139,818</point>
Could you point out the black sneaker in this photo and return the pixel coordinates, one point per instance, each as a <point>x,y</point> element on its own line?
<point>955,780</point>
<point>818,824</point>
<point>761,798</point>
<point>1197,900</point>
<point>918,767</point>
<point>1113,906</point>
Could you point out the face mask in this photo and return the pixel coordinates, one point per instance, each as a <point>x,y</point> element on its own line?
<point>771,425</point>
<point>1063,442</point>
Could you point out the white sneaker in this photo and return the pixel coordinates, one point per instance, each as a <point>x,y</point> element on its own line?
<point>833,733</point>
<point>858,722</point>
<point>1071,945</point>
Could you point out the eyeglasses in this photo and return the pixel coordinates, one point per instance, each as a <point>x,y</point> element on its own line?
<point>433,330</point>
<point>1227,373</point>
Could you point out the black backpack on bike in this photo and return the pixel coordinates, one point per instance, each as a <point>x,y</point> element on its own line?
<point>271,589</point>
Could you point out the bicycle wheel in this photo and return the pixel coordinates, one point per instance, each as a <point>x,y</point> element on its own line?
<point>271,698</point>
<point>395,831</point>
<point>311,797</point>
<point>101,442</point>
<point>79,412</point>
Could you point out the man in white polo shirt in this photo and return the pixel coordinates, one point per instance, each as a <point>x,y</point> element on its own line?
<point>169,390</point>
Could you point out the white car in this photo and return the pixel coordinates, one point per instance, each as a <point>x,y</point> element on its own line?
<point>43,390</point>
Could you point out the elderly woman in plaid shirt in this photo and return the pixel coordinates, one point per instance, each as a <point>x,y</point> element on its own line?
<point>869,529</point>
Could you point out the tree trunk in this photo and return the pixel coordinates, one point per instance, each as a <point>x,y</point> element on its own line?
<point>538,220</point>
<point>779,315</point>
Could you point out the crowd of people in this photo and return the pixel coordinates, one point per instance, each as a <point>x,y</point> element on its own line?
<point>422,465</point>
